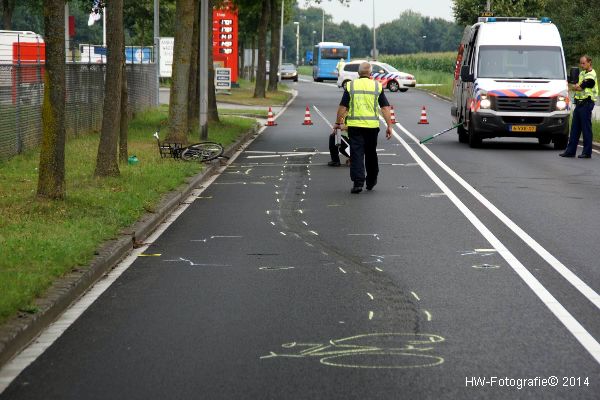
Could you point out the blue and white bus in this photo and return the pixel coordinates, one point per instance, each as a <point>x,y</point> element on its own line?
<point>326,57</point>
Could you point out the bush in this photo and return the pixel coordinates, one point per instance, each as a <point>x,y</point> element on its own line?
<point>442,62</point>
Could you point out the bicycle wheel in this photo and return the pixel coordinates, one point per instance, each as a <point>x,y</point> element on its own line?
<point>204,151</point>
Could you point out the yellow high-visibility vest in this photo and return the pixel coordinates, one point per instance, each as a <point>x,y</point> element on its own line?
<point>588,92</point>
<point>364,105</point>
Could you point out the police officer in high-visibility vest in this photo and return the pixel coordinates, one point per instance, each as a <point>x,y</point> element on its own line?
<point>362,99</point>
<point>340,66</point>
<point>586,94</point>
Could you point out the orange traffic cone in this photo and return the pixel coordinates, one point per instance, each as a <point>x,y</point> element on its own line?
<point>307,120</point>
<point>423,119</point>
<point>270,118</point>
<point>393,115</point>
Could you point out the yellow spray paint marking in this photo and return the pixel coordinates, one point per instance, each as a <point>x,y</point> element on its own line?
<point>150,255</point>
<point>372,351</point>
<point>204,197</point>
<point>378,269</point>
<point>428,314</point>
<point>342,269</point>
<point>370,315</point>
<point>415,296</point>
<point>370,295</point>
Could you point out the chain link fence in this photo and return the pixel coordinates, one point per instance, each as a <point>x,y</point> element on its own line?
<point>22,93</point>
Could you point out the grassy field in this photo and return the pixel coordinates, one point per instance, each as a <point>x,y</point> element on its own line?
<point>443,79</point>
<point>42,240</point>
<point>244,112</point>
<point>305,70</point>
<point>245,95</point>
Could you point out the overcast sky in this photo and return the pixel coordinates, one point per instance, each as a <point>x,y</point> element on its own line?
<point>361,12</point>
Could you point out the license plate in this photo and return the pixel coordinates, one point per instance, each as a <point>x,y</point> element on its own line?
<point>523,128</point>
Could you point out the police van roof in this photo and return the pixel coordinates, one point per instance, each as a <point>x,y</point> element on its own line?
<point>523,33</point>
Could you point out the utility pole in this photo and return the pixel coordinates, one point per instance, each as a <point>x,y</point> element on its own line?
<point>280,42</point>
<point>203,69</point>
<point>157,50</point>
<point>297,42</point>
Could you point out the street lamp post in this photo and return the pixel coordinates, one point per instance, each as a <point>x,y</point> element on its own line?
<point>297,42</point>
<point>323,27</point>
<point>374,35</point>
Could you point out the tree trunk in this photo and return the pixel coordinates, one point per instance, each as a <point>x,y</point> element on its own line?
<point>107,162</point>
<point>212,112</point>
<point>51,172</point>
<point>274,61</point>
<point>124,125</point>
<point>178,102</point>
<point>259,88</point>
<point>253,69</point>
<point>8,7</point>
<point>193,88</point>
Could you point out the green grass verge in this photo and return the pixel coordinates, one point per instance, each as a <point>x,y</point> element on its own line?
<point>305,70</point>
<point>444,81</point>
<point>42,240</point>
<point>245,95</point>
<point>244,112</point>
<point>596,130</point>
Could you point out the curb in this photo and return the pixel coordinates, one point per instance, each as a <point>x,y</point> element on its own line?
<point>595,145</point>
<point>20,330</point>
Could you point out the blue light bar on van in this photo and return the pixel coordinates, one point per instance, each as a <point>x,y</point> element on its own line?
<point>491,19</point>
<point>545,20</point>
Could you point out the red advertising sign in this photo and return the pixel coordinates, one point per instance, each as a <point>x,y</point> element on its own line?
<point>225,39</point>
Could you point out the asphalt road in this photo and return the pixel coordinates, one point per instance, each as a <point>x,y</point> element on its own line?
<point>277,283</point>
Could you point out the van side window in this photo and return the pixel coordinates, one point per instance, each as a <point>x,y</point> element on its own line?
<point>351,67</point>
<point>470,60</point>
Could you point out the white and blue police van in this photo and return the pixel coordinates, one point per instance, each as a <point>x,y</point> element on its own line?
<point>511,81</point>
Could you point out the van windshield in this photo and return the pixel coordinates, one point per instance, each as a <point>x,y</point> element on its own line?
<point>521,62</point>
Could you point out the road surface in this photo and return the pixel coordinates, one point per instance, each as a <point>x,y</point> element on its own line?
<point>466,273</point>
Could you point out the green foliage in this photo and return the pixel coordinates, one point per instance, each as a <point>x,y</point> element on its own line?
<point>441,62</point>
<point>466,12</point>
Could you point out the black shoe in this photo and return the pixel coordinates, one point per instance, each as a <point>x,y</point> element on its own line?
<point>334,163</point>
<point>371,185</point>
<point>584,156</point>
<point>356,189</point>
<point>568,155</point>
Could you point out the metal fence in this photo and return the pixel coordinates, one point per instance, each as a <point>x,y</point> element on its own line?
<point>22,93</point>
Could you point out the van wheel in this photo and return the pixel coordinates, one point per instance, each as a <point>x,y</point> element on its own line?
<point>474,138</point>
<point>393,86</point>
<point>463,135</point>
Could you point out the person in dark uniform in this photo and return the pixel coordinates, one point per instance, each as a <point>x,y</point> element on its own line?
<point>586,94</point>
<point>360,105</point>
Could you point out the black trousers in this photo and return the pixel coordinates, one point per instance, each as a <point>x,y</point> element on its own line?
<point>363,155</point>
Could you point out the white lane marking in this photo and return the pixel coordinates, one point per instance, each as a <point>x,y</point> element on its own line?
<point>576,329</point>
<point>49,335</point>
<point>566,273</point>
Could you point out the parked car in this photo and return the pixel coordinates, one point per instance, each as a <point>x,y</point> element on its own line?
<point>390,77</point>
<point>289,71</point>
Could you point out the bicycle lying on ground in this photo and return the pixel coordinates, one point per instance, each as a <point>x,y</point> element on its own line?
<point>203,151</point>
